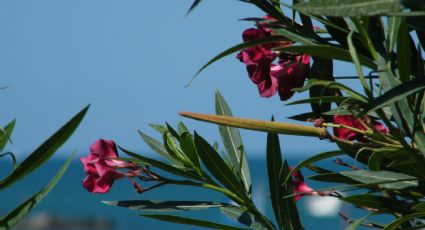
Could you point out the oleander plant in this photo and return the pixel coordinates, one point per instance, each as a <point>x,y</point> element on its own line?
<point>292,48</point>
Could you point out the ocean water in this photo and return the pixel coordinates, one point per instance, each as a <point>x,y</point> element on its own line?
<point>70,206</point>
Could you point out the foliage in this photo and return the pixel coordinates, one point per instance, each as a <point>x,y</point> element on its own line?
<point>37,158</point>
<point>381,128</point>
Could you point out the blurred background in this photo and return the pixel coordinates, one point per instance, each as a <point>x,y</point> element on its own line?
<point>131,61</point>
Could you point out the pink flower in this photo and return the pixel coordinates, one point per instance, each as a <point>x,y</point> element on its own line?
<point>350,120</point>
<point>258,60</point>
<point>289,73</point>
<point>100,166</point>
<point>300,187</point>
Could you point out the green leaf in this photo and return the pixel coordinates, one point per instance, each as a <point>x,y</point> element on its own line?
<point>332,85</point>
<point>378,157</point>
<point>233,142</point>
<point>393,28</point>
<point>193,6</point>
<point>396,223</point>
<point>396,94</point>
<point>322,69</point>
<point>182,128</point>
<point>401,110</point>
<point>274,167</point>
<point>313,159</point>
<point>403,51</point>
<point>244,217</point>
<point>161,165</point>
<point>44,151</point>
<point>419,207</point>
<point>349,8</point>
<point>187,145</point>
<point>190,221</point>
<point>5,134</point>
<point>386,179</point>
<point>332,177</point>
<point>329,52</point>
<point>12,218</point>
<point>295,36</point>
<point>241,46</point>
<point>165,206</point>
<point>380,203</point>
<point>172,131</point>
<point>158,147</point>
<point>218,168</point>
<point>356,224</point>
<point>303,116</point>
<point>173,149</point>
<point>292,218</point>
<point>357,62</point>
<point>270,9</point>
<point>159,128</point>
<point>323,99</point>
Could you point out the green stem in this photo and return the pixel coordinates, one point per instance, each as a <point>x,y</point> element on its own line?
<point>345,127</point>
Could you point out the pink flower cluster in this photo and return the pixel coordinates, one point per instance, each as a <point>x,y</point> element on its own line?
<point>102,168</point>
<point>289,72</point>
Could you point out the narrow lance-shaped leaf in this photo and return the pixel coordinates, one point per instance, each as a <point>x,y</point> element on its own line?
<point>165,206</point>
<point>396,223</point>
<point>403,52</point>
<point>323,99</point>
<point>332,85</point>
<point>393,28</point>
<point>5,134</point>
<point>233,142</point>
<point>313,159</point>
<point>187,145</point>
<point>217,167</point>
<point>346,8</point>
<point>274,165</point>
<point>292,217</point>
<point>390,180</point>
<point>182,128</point>
<point>395,94</point>
<point>161,165</point>
<point>380,203</point>
<point>401,110</point>
<point>237,48</point>
<point>190,221</point>
<point>244,217</point>
<point>270,9</point>
<point>158,147</point>
<point>328,52</point>
<point>357,63</point>
<point>44,151</point>
<point>356,224</point>
<point>322,69</point>
<point>12,218</point>
<point>193,6</point>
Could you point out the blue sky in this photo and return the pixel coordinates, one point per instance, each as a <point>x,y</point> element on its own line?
<point>130,60</point>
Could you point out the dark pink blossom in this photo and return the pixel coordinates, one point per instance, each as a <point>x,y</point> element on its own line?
<point>100,166</point>
<point>350,120</point>
<point>290,71</point>
<point>258,60</point>
<point>300,187</point>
